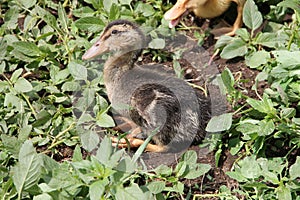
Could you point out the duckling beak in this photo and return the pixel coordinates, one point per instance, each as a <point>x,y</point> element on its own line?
<point>175,14</point>
<point>97,49</point>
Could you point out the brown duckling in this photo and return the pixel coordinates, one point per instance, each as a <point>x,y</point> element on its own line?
<point>204,9</point>
<point>149,96</point>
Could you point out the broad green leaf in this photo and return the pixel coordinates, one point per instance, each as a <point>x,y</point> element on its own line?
<point>91,24</point>
<point>219,123</point>
<point>62,17</point>
<point>223,41</point>
<point>236,175</point>
<point>189,157</point>
<point>114,12</point>
<point>83,12</point>
<point>235,48</point>
<point>197,170</point>
<point>42,118</point>
<point>287,58</point>
<point>157,43</point>
<point>16,74</point>
<point>293,4</point>
<point>78,71</point>
<point>257,59</point>
<point>251,16</point>
<point>250,168</point>
<point>125,2</point>
<point>243,33</point>
<point>126,165</point>
<point>145,9</point>
<point>89,140</point>
<point>283,193</point>
<point>163,170</point>
<point>30,22</point>
<point>104,151</point>
<point>11,101</point>
<point>47,17</point>
<point>104,120</point>
<point>248,128</point>
<point>295,169</point>
<point>43,196</point>
<point>133,192</point>
<point>11,144</point>
<point>271,40</point>
<point>70,86</point>
<point>28,3</point>
<point>27,171</point>
<point>156,187</point>
<point>180,168</point>
<point>22,85</point>
<point>97,189</point>
<point>266,127</point>
<point>228,80</point>
<point>27,48</point>
<point>11,17</point>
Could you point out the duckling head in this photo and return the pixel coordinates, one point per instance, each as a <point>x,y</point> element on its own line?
<point>119,37</point>
<point>182,8</point>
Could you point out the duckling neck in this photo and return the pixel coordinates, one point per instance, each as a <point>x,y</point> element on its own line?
<point>116,66</point>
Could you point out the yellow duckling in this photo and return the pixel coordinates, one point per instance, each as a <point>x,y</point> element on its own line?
<point>204,9</point>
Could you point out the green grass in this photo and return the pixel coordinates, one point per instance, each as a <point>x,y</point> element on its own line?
<point>49,98</point>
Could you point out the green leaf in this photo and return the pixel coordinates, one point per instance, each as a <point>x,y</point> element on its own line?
<point>250,168</point>
<point>125,2</point>
<point>89,140</point>
<point>180,169</point>
<point>157,43</point>
<point>197,170</point>
<point>293,4</point>
<point>145,9</point>
<point>156,187</point>
<point>104,151</point>
<point>97,189</point>
<point>219,123</point>
<point>235,48</point>
<point>16,74</point>
<point>295,169</point>
<point>189,157</point>
<point>43,196</point>
<point>27,171</point>
<point>266,127</point>
<point>163,170</point>
<point>114,12</point>
<point>91,24</point>
<point>287,58</point>
<point>258,58</point>
<point>104,120</point>
<point>27,48</point>
<point>78,71</point>
<point>62,17</point>
<point>228,80</point>
<point>11,17</point>
<point>251,16</point>
<point>283,193</point>
<point>28,3</point>
<point>22,85</point>
<point>133,192</point>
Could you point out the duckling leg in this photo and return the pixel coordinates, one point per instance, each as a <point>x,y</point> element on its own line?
<point>128,125</point>
<point>134,143</point>
<point>239,19</point>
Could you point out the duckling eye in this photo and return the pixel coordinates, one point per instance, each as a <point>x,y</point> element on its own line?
<point>114,32</point>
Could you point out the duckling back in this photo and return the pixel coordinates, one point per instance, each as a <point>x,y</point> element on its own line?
<point>158,101</point>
